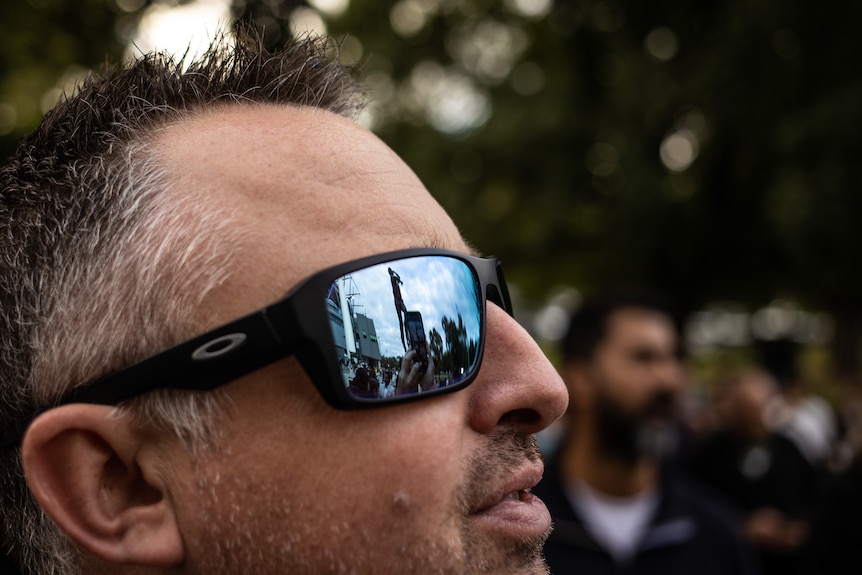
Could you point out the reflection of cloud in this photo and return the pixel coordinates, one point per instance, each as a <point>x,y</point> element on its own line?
<point>435,286</point>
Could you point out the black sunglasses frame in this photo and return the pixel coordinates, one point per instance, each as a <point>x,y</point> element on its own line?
<point>298,324</point>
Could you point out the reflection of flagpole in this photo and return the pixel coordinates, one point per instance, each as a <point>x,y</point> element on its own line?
<point>347,317</point>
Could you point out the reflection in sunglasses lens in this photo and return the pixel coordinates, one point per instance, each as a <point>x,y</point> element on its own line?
<point>407,326</point>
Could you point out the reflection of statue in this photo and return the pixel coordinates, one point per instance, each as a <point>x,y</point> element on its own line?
<point>400,308</point>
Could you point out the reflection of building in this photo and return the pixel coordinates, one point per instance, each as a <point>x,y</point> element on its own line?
<point>365,335</point>
<point>336,319</point>
<point>354,333</point>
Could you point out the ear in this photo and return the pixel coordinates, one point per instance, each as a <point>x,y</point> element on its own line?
<point>86,467</point>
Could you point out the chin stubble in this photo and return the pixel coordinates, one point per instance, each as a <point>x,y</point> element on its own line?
<point>487,468</point>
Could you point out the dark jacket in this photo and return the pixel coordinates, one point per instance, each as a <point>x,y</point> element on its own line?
<point>785,481</point>
<point>836,529</point>
<point>689,535</point>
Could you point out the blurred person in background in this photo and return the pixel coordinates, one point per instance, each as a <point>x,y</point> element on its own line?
<point>762,472</point>
<point>836,524</point>
<point>803,417</point>
<point>618,505</point>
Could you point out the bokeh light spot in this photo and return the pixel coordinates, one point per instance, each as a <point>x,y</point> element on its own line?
<point>178,30</point>
<point>601,159</point>
<point>448,99</point>
<point>350,49</point>
<point>407,18</point>
<point>306,21</point>
<point>692,119</point>
<point>661,43</point>
<point>679,150</point>
<point>489,49</point>
<point>330,7</point>
<point>530,8</point>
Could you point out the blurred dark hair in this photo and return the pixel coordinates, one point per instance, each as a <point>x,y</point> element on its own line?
<point>588,323</point>
<point>780,358</point>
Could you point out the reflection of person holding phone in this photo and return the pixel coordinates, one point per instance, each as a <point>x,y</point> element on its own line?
<point>411,375</point>
<point>400,308</point>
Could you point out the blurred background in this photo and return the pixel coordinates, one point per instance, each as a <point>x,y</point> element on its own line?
<point>703,149</point>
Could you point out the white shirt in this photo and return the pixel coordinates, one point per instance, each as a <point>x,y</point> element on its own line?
<point>809,423</point>
<point>617,523</point>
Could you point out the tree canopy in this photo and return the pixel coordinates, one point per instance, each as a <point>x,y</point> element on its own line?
<point>703,149</point>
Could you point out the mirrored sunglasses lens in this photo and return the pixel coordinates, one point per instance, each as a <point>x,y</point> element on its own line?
<point>406,326</point>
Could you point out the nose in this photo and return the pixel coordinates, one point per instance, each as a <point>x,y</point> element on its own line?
<point>517,386</point>
<point>669,374</point>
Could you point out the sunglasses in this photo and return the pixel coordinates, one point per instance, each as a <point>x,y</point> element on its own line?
<point>379,330</point>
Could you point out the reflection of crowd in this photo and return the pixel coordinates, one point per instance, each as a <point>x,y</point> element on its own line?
<point>364,384</point>
<point>380,383</point>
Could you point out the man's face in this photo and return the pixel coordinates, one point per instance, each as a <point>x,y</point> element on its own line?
<point>434,486</point>
<point>636,381</point>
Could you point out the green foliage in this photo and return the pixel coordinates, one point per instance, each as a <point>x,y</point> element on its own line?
<point>44,46</point>
<point>48,46</point>
<point>564,177</point>
<point>567,183</point>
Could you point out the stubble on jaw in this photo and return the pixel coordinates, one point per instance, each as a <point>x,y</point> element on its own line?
<point>504,452</point>
<point>265,529</point>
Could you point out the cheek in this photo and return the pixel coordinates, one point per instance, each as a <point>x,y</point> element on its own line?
<point>623,382</point>
<point>387,464</point>
<point>412,463</point>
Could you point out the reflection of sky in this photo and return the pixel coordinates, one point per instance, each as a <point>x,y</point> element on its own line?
<point>435,286</point>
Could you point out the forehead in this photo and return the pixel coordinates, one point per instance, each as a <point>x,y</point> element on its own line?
<point>635,326</point>
<point>304,188</point>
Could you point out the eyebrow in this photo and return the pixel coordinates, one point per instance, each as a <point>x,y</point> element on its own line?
<point>438,242</point>
<point>472,250</point>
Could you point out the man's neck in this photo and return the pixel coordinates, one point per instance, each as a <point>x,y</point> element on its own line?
<point>605,472</point>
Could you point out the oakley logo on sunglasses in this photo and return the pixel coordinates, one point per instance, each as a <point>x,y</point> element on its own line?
<point>218,347</point>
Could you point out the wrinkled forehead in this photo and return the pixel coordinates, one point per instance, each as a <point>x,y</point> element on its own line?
<point>307,188</point>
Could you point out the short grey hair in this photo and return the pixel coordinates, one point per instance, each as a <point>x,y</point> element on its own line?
<point>85,224</point>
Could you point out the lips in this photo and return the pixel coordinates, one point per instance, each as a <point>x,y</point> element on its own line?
<point>520,482</point>
<point>511,507</point>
